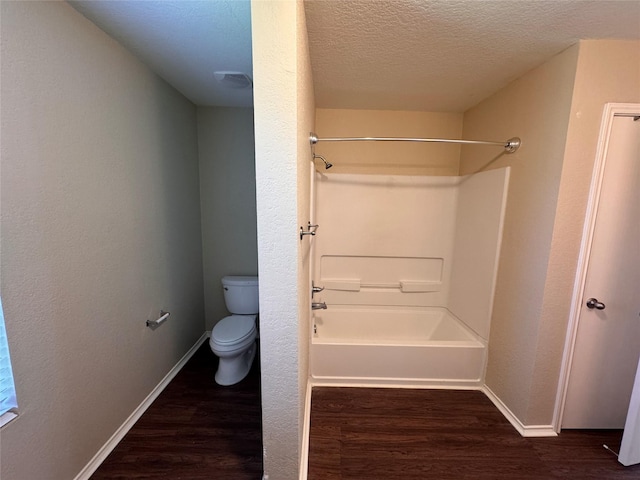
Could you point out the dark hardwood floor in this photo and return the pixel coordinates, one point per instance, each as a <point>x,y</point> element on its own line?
<point>198,430</point>
<point>359,433</point>
<point>194,430</point>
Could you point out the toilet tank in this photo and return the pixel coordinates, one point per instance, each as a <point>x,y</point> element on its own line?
<point>241,294</point>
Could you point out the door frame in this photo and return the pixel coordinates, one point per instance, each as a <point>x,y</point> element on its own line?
<point>611,110</point>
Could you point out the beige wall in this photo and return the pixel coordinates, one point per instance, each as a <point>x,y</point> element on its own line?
<point>607,72</point>
<point>227,199</point>
<point>388,157</point>
<point>283,111</point>
<point>535,108</point>
<point>100,230</point>
<point>557,110</point>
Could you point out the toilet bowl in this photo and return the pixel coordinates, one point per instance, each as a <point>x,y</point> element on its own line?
<point>233,339</point>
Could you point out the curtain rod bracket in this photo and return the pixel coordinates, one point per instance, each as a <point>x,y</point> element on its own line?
<point>512,145</point>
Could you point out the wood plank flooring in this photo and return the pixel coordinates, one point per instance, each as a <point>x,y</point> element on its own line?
<point>194,430</point>
<point>198,430</point>
<point>359,433</point>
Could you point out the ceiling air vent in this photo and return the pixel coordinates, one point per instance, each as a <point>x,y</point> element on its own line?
<point>233,79</point>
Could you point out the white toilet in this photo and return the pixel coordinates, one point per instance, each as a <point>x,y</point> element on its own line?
<point>233,338</point>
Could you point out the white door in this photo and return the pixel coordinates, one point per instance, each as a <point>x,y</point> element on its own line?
<point>607,344</point>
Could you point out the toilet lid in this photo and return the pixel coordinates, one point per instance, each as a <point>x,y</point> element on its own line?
<point>234,328</point>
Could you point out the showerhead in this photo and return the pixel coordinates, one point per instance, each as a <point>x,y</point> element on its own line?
<point>327,165</point>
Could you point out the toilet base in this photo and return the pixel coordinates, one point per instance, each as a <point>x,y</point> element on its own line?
<point>232,370</point>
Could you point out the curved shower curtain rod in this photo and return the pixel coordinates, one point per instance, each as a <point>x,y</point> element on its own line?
<point>510,146</point>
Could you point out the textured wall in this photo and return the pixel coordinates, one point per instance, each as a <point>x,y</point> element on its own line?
<point>547,203</point>
<point>100,230</point>
<point>305,124</point>
<point>227,199</point>
<point>391,158</point>
<point>536,108</point>
<point>283,109</point>
<point>607,71</point>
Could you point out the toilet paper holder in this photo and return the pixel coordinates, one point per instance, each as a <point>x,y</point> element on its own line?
<point>163,317</point>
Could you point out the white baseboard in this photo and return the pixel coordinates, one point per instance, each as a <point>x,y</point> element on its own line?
<point>306,428</point>
<point>108,447</point>
<point>524,430</point>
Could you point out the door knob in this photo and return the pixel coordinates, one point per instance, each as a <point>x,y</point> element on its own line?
<point>594,303</point>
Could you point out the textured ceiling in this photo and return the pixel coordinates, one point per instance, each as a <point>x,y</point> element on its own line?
<point>183,41</point>
<point>445,55</point>
<point>431,55</point>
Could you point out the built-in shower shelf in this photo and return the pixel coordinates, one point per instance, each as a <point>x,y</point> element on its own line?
<point>350,285</point>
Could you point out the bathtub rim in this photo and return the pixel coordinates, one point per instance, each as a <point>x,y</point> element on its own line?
<point>474,341</point>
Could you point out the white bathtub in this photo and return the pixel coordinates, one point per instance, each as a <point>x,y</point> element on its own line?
<point>410,346</point>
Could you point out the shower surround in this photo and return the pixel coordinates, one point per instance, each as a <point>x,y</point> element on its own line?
<point>408,266</point>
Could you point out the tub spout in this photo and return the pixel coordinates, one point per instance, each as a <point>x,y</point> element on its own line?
<point>318,306</point>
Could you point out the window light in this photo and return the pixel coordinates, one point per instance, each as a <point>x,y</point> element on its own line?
<point>8,403</point>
